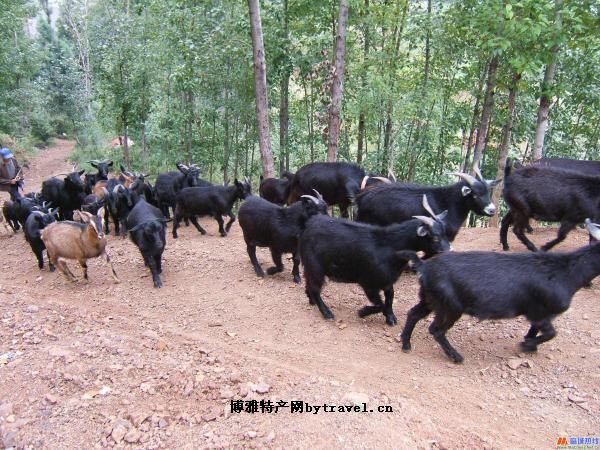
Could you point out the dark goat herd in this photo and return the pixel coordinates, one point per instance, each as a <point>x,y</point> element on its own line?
<point>70,219</point>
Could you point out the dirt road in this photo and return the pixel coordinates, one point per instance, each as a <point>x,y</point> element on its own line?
<point>102,365</point>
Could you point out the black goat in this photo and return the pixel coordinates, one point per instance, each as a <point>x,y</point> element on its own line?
<point>576,165</point>
<point>395,203</point>
<point>215,201</point>
<point>276,190</point>
<point>103,167</point>
<point>35,223</point>
<point>169,184</point>
<point>67,194</point>
<point>538,285</point>
<point>548,194</point>
<point>265,224</point>
<point>18,210</point>
<point>92,204</point>
<point>10,212</point>
<point>338,183</point>
<point>146,225</point>
<point>120,202</point>
<point>353,252</point>
<point>581,166</point>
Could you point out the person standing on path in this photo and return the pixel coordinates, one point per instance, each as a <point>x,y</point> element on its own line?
<point>11,175</point>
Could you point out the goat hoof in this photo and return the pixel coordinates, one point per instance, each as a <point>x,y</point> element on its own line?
<point>505,248</point>
<point>457,358</point>
<point>406,348</point>
<point>297,279</point>
<point>223,234</point>
<point>391,320</point>
<point>273,270</point>
<point>528,347</point>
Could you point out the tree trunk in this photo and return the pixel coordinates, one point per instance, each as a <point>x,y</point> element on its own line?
<point>126,143</point>
<point>226,143</point>
<point>486,113</point>
<point>284,116</point>
<point>212,149</point>
<point>545,96</point>
<point>388,156</point>
<point>469,145</point>
<point>504,146</point>
<point>144,145</point>
<point>338,84</point>
<point>260,86</point>
<point>362,116</point>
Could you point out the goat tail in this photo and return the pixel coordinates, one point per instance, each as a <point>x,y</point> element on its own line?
<point>412,257</point>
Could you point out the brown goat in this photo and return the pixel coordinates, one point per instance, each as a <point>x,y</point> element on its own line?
<point>75,240</point>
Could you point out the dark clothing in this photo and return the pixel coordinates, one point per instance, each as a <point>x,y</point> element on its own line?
<point>7,173</point>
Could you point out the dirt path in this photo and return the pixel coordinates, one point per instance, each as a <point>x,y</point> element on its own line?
<point>102,364</point>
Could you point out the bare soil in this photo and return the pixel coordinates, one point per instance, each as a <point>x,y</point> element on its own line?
<point>110,365</point>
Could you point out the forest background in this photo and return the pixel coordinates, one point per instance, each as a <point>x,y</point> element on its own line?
<point>426,87</point>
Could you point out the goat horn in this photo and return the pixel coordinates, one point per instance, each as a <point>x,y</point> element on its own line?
<point>117,188</point>
<point>471,180</point>
<point>310,197</point>
<point>319,196</point>
<point>39,213</point>
<point>428,207</point>
<point>593,229</point>
<point>383,180</point>
<point>426,220</point>
<point>364,182</point>
<point>478,173</point>
<point>95,161</point>
<point>392,176</point>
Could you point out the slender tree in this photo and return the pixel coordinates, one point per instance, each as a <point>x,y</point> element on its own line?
<point>260,86</point>
<point>505,144</point>
<point>486,112</point>
<point>338,84</point>
<point>545,96</point>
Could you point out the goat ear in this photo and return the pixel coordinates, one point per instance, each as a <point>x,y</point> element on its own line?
<point>110,164</point>
<point>93,164</point>
<point>493,183</point>
<point>81,172</point>
<point>422,231</point>
<point>166,220</point>
<point>77,216</point>
<point>466,190</point>
<point>442,215</point>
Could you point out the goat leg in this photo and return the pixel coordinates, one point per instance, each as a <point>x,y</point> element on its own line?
<point>506,222</point>
<point>388,311</point>
<point>112,269</point>
<point>251,249</point>
<point>62,266</point>
<point>296,268</point>
<point>219,220</point>
<point>84,268</point>
<point>231,220</point>
<point>375,298</point>
<point>154,271</point>
<point>438,329</point>
<point>563,231</point>
<point>416,313</point>
<point>278,267</point>
<point>325,311</point>
<point>194,220</point>
<point>547,332</point>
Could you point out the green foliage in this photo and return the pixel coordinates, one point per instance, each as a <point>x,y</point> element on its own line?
<point>178,75</point>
